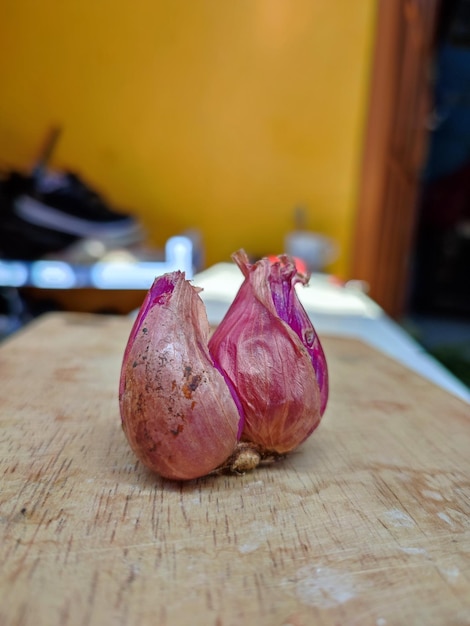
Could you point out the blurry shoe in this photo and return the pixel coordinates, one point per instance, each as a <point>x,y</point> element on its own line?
<point>19,238</point>
<point>46,213</point>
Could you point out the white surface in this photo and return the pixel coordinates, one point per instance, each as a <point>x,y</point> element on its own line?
<point>338,311</point>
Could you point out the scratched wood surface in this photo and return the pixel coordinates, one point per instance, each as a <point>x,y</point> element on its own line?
<point>367,523</point>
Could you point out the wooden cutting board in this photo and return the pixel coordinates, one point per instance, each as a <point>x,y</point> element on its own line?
<point>366,524</point>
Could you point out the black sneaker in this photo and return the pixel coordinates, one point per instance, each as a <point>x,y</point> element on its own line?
<point>46,213</point>
<point>20,239</point>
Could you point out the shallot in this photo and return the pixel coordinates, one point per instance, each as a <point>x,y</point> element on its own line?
<point>254,391</point>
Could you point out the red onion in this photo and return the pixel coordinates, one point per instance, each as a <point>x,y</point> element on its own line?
<point>267,347</point>
<point>177,411</point>
<point>254,392</point>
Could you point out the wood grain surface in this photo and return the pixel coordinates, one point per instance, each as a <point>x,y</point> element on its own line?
<point>367,523</point>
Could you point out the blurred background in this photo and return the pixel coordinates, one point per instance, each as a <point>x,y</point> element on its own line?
<point>335,130</point>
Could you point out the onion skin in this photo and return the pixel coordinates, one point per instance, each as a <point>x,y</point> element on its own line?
<point>177,412</point>
<point>268,349</point>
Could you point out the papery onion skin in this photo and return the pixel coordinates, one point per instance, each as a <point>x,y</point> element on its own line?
<point>282,278</point>
<point>177,411</point>
<point>263,354</point>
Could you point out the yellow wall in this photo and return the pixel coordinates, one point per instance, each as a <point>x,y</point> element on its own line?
<point>216,114</point>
